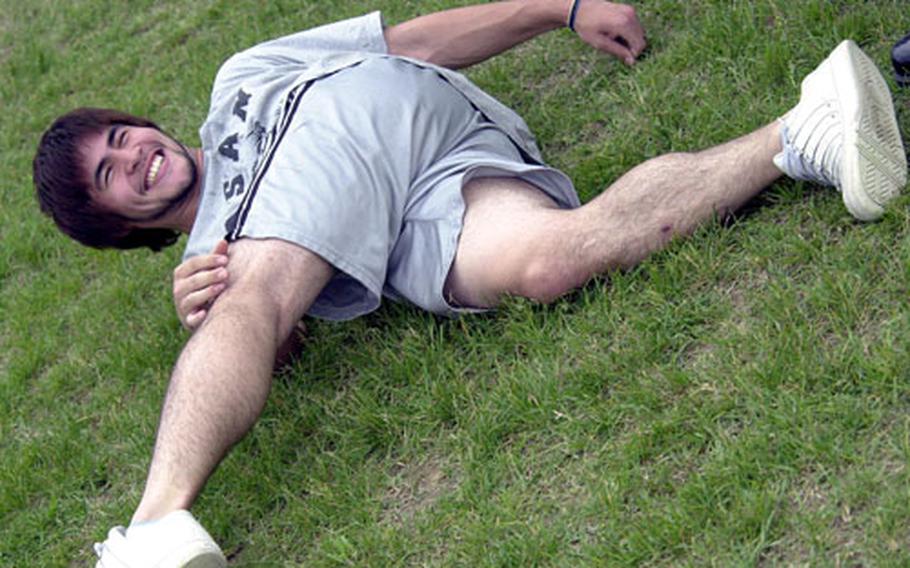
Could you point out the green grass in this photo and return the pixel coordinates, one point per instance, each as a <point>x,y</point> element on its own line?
<point>741,398</point>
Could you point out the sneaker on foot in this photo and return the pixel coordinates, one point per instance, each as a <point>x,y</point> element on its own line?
<point>175,540</point>
<point>844,133</point>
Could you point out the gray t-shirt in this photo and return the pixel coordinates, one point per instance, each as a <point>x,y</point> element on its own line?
<point>253,97</point>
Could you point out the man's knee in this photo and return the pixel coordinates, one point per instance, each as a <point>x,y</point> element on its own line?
<point>545,278</point>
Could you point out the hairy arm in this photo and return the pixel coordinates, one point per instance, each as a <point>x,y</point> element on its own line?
<point>463,36</point>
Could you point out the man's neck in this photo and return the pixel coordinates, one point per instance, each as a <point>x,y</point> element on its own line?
<point>186,216</point>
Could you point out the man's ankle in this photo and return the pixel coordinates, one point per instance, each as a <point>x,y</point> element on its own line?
<point>149,510</point>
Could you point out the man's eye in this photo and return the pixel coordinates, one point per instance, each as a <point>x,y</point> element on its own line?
<point>107,178</point>
<point>122,139</point>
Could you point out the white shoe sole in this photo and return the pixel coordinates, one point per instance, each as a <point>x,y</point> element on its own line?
<point>195,555</point>
<point>875,166</point>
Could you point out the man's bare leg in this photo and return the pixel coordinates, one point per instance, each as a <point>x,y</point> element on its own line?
<point>516,241</point>
<point>842,133</point>
<point>223,376</point>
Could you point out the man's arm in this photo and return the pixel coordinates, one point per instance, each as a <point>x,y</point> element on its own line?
<point>223,376</point>
<point>463,36</point>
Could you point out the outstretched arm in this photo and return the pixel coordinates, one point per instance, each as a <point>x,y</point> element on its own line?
<point>223,376</point>
<point>463,36</point>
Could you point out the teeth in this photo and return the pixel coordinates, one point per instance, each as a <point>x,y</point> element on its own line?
<point>153,170</point>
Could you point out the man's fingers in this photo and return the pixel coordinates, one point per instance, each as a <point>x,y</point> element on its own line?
<point>616,49</point>
<point>613,28</point>
<point>199,281</point>
<point>186,290</point>
<point>194,319</point>
<point>640,45</point>
<point>207,278</point>
<point>631,34</point>
<point>199,299</point>
<point>202,262</point>
<point>629,31</point>
<point>221,247</point>
<point>634,43</point>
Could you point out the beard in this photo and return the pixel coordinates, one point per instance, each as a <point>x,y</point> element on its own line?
<point>183,195</point>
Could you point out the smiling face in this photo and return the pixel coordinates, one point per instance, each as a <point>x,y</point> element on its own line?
<point>139,173</point>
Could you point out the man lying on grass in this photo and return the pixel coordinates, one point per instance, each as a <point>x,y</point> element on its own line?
<point>348,162</point>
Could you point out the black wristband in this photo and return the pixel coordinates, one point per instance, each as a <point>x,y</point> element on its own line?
<point>572,13</point>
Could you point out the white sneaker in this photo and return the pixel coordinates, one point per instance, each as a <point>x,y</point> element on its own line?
<point>844,133</point>
<point>175,540</point>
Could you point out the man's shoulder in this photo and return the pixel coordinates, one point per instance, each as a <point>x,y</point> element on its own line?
<point>359,34</point>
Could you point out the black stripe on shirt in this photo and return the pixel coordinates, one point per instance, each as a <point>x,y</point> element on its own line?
<point>291,103</point>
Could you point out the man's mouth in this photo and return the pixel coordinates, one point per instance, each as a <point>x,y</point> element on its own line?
<point>154,167</point>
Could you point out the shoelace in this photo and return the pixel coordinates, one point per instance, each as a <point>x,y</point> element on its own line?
<point>818,162</point>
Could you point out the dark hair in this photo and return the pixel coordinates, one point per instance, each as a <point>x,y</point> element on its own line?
<point>62,184</point>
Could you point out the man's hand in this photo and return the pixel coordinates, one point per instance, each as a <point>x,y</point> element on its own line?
<point>609,27</point>
<point>197,282</point>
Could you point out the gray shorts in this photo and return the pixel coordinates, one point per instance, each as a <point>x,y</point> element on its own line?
<point>370,178</point>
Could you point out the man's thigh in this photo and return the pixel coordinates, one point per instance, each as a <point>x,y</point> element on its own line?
<point>507,222</point>
<point>279,272</point>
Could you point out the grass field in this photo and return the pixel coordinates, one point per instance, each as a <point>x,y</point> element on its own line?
<point>739,399</point>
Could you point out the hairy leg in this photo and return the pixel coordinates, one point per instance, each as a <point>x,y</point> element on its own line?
<point>223,376</point>
<point>515,241</point>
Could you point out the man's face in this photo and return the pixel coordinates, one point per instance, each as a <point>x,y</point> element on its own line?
<point>138,172</point>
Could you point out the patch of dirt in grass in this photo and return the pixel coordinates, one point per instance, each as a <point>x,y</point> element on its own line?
<point>736,323</point>
<point>843,544</point>
<point>7,354</point>
<point>849,534</point>
<point>808,497</point>
<point>700,356</point>
<point>742,290</point>
<point>416,488</point>
<point>850,537</point>
<point>589,137</point>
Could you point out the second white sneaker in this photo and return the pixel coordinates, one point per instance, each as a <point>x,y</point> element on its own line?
<point>844,133</point>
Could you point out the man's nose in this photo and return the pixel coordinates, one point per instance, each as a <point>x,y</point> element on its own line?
<point>130,158</point>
